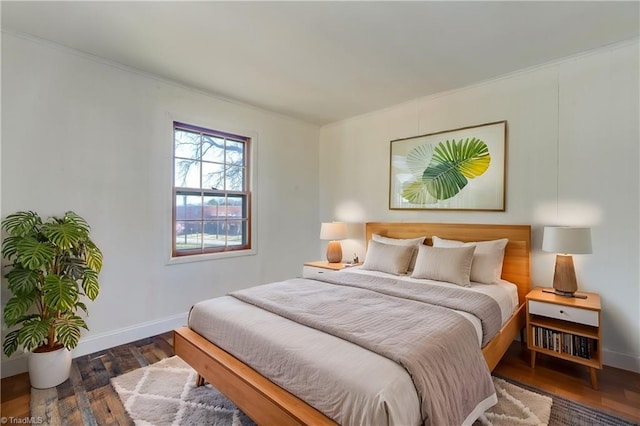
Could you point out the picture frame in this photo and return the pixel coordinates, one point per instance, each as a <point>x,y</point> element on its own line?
<point>459,169</point>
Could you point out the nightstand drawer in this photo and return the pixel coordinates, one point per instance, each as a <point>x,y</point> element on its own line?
<point>567,313</point>
<point>312,271</point>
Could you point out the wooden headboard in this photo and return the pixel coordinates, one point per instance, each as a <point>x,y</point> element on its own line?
<point>516,266</point>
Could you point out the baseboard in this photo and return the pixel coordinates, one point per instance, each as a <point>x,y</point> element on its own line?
<point>18,363</point>
<point>622,361</point>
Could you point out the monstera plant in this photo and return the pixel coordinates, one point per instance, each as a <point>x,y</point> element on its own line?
<point>53,266</point>
<point>441,172</point>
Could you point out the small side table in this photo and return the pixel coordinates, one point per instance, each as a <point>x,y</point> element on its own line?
<point>565,327</point>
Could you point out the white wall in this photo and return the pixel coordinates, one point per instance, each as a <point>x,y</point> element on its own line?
<point>86,135</point>
<point>572,159</point>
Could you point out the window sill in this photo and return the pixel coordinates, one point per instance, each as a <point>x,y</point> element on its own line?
<point>210,256</point>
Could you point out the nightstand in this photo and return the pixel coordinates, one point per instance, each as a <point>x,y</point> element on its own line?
<point>312,269</point>
<point>566,328</point>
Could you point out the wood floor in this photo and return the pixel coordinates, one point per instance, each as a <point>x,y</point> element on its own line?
<point>618,390</point>
<point>88,398</point>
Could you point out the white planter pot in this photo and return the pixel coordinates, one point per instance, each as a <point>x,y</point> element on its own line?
<point>49,369</point>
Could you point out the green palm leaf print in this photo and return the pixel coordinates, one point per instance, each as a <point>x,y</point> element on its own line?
<point>452,165</point>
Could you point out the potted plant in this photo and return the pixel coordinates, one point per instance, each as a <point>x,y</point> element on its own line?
<point>53,265</point>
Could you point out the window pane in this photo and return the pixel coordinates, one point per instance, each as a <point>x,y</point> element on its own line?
<point>212,149</point>
<point>236,233</point>
<point>187,173</point>
<point>235,178</point>
<point>235,152</point>
<point>188,207</point>
<point>214,234</point>
<point>214,208</point>
<point>212,176</point>
<point>188,235</point>
<point>187,144</point>
<point>237,206</point>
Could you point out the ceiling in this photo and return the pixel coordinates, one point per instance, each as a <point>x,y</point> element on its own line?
<point>326,61</point>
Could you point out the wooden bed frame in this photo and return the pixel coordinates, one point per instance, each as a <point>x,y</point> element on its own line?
<point>268,404</point>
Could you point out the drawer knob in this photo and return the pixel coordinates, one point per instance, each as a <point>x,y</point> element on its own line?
<point>561,311</point>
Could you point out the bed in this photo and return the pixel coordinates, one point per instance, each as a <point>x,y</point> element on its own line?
<point>268,403</point>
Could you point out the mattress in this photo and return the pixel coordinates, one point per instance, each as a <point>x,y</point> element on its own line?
<point>346,382</point>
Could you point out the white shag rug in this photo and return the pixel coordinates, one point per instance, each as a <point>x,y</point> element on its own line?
<point>164,393</point>
<point>516,406</point>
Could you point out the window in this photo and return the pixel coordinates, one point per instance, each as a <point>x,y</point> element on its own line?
<point>211,197</point>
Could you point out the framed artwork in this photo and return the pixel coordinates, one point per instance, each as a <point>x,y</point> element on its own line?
<point>461,169</point>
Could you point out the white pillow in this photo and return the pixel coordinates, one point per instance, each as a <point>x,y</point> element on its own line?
<point>487,259</point>
<point>415,242</point>
<point>452,265</point>
<point>393,259</point>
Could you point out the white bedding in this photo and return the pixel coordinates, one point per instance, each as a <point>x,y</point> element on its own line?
<point>339,372</point>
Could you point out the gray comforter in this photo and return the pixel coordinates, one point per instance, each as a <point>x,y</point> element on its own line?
<point>436,346</point>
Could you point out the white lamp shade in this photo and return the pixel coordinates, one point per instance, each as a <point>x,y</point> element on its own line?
<point>333,231</point>
<point>566,240</point>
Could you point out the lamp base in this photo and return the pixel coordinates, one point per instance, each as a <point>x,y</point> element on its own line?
<point>564,293</point>
<point>564,277</point>
<point>334,252</point>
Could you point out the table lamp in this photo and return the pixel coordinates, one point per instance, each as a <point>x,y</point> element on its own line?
<point>565,241</point>
<point>333,231</point>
